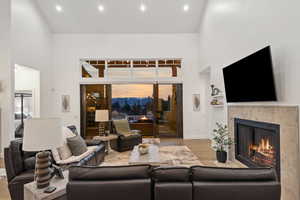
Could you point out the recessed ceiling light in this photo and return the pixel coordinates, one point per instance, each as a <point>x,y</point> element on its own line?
<point>186,7</point>
<point>58,8</point>
<point>143,7</point>
<point>101,8</point>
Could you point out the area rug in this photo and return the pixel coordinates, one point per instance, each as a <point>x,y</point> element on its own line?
<point>169,156</point>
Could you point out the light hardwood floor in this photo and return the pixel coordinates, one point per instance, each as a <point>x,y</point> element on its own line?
<point>201,148</point>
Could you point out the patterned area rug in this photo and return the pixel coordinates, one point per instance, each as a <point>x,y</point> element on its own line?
<point>173,155</point>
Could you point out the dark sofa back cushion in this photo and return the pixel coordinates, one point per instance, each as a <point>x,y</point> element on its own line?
<point>109,173</point>
<point>174,174</point>
<point>73,129</point>
<point>229,174</point>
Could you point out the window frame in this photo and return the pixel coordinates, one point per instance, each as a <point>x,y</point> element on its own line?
<point>131,78</point>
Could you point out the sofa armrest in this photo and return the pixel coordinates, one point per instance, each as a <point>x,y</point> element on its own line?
<point>10,172</point>
<point>93,142</point>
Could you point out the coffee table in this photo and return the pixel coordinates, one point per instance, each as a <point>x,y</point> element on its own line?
<point>151,158</point>
<point>107,140</point>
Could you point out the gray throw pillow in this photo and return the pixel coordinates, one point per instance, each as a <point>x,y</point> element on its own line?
<point>77,145</point>
<point>29,163</point>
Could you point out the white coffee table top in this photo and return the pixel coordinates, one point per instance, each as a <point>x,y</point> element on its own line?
<point>152,157</point>
<point>32,193</point>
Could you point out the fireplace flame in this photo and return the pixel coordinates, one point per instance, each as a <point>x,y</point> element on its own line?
<point>264,145</point>
<point>144,118</point>
<point>263,152</point>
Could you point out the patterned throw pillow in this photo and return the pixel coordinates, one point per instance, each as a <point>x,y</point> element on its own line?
<point>55,153</point>
<point>64,152</point>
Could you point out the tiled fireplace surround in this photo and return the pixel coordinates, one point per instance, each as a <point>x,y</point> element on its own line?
<point>288,119</point>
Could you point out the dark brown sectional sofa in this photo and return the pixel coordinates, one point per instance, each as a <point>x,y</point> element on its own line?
<point>20,165</point>
<point>179,183</point>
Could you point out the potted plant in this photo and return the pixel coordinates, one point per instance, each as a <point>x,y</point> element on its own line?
<point>222,141</point>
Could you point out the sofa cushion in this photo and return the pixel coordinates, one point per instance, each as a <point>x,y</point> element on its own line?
<point>109,173</point>
<point>75,159</point>
<point>77,145</point>
<point>64,152</point>
<point>200,173</point>
<point>24,177</point>
<point>67,133</point>
<point>29,163</point>
<point>171,174</point>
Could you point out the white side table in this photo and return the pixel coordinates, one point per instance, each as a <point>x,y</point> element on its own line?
<point>32,193</point>
<point>107,140</point>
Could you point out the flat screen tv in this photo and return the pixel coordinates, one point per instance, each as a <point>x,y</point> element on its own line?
<point>251,79</point>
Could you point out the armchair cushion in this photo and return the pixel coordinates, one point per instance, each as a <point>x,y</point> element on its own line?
<point>122,127</point>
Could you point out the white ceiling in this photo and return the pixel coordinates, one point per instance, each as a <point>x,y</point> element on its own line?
<point>122,16</point>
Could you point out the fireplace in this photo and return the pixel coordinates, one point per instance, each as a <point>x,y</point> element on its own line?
<point>257,144</point>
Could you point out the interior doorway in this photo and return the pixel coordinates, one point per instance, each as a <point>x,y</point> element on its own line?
<point>27,96</point>
<point>153,109</point>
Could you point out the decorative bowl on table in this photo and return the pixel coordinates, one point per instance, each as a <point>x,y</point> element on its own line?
<point>143,148</point>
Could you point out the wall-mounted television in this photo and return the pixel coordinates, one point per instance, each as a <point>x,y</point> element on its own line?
<point>251,79</point>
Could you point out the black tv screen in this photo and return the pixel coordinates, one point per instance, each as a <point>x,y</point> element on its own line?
<point>251,79</point>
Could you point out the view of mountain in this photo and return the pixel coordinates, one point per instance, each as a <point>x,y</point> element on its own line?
<point>132,101</point>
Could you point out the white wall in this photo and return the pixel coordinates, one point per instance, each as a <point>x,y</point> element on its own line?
<point>28,79</point>
<point>68,49</point>
<point>6,83</point>
<point>26,40</point>
<point>233,29</point>
<point>32,45</point>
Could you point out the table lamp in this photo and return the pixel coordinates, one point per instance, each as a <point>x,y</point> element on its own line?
<point>42,135</point>
<point>101,116</point>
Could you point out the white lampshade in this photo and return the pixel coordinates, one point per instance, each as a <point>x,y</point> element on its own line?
<point>101,116</point>
<point>42,134</point>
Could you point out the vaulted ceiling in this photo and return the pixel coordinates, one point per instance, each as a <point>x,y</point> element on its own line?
<point>122,16</point>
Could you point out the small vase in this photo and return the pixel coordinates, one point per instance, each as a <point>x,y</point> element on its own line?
<point>221,156</point>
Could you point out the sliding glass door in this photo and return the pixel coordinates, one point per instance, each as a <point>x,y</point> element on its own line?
<point>153,109</point>
<point>134,102</point>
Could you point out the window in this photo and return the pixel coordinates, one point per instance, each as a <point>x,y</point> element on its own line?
<point>131,69</point>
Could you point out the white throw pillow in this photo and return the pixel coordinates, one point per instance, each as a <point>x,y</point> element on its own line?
<point>63,151</point>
